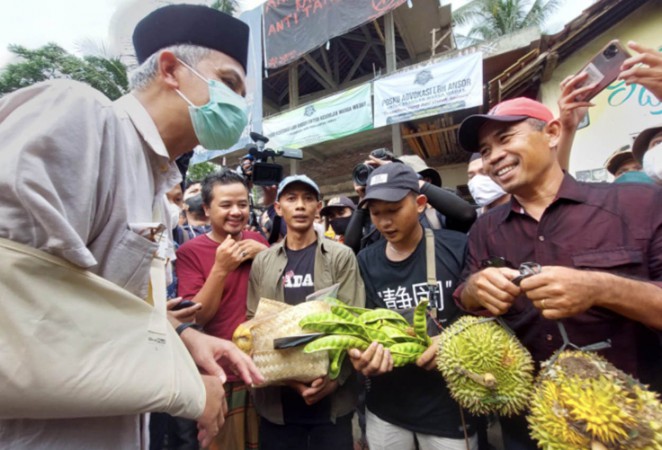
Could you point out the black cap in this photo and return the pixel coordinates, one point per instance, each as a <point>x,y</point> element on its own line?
<point>640,144</point>
<point>194,25</point>
<point>390,183</point>
<point>194,204</point>
<point>621,156</point>
<point>337,202</point>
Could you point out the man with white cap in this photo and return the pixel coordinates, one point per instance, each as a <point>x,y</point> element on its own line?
<point>598,248</point>
<point>60,135</point>
<point>315,415</point>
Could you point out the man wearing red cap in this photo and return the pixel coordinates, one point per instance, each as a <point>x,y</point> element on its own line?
<point>83,180</point>
<point>599,248</point>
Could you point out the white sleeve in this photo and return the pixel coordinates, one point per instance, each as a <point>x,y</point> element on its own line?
<point>51,140</point>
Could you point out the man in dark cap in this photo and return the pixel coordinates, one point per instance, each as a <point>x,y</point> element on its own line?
<point>60,135</point>
<point>409,407</point>
<point>598,249</point>
<point>337,212</point>
<point>622,161</point>
<point>647,149</point>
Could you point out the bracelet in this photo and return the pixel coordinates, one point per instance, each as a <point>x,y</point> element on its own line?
<point>183,326</point>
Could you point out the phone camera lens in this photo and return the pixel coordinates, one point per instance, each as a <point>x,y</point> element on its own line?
<point>610,51</point>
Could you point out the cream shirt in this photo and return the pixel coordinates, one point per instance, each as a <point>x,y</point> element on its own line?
<point>78,174</point>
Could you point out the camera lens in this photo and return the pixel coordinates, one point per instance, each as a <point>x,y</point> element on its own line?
<point>610,51</point>
<point>361,173</point>
<point>379,153</point>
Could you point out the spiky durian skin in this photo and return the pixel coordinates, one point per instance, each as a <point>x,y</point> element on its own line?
<point>582,400</point>
<point>481,348</point>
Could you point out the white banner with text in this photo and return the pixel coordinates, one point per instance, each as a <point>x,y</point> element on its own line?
<point>438,88</point>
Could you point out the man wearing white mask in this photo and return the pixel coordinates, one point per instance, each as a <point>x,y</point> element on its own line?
<point>486,193</point>
<point>647,149</point>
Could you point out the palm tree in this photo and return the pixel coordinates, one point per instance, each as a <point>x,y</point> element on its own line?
<point>51,61</point>
<point>490,19</point>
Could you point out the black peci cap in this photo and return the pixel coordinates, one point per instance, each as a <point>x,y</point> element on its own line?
<point>194,25</point>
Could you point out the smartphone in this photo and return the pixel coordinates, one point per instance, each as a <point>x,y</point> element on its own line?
<point>183,304</point>
<point>603,68</point>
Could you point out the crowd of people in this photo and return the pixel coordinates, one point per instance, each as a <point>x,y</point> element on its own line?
<point>96,185</point>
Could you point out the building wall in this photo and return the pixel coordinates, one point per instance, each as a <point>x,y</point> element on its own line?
<point>453,175</point>
<point>620,112</point>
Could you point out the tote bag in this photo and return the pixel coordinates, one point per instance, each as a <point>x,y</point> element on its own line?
<point>77,345</point>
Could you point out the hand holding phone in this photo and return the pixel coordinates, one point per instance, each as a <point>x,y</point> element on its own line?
<point>603,69</point>
<point>183,304</point>
<point>644,68</point>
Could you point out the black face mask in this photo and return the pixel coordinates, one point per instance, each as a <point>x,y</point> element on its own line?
<point>339,225</point>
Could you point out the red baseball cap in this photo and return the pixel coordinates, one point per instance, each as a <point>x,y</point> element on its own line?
<point>514,110</point>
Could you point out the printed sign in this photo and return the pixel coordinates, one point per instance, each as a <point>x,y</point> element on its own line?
<point>438,88</point>
<point>333,117</point>
<point>294,27</point>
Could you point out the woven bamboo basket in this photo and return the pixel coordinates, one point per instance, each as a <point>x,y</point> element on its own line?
<point>274,320</point>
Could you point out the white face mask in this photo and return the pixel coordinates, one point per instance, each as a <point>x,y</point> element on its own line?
<point>484,190</point>
<point>173,211</point>
<point>653,163</point>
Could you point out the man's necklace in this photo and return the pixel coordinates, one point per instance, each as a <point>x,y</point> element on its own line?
<point>399,252</point>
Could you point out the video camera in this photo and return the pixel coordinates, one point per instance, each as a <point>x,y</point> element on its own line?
<point>362,171</point>
<point>267,173</point>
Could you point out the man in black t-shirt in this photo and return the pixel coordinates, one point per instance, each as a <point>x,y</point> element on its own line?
<point>315,415</point>
<point>408,404</point>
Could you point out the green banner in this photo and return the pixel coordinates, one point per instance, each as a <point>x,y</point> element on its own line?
<point>330,118</point>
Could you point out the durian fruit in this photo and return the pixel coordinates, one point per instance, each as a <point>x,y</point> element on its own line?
<point>581,401</point>
<point>486,368</point>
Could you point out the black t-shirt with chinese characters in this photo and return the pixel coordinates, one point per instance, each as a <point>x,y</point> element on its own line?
<point>409,396</point>
<point>298,283</point>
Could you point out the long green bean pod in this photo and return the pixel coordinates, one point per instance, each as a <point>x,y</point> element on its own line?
<point>378,314</point>
<point>336,342</point>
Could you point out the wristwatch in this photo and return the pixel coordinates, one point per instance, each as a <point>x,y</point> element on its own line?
<point>183,326</point>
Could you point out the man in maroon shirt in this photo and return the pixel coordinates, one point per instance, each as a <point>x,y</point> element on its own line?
<point>213,270</point>
<point>599,245</point>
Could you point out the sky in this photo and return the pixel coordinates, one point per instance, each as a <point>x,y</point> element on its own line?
<point>33,23</point>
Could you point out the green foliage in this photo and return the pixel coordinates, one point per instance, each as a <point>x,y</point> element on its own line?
<point>52,61</point>
<point>197,172</point>
<point>490,19</point>
<point>227,6</point>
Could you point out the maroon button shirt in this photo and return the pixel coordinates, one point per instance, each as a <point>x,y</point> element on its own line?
<point>610,228</point>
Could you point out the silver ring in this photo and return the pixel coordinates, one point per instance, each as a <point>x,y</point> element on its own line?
<point>243,254</point>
